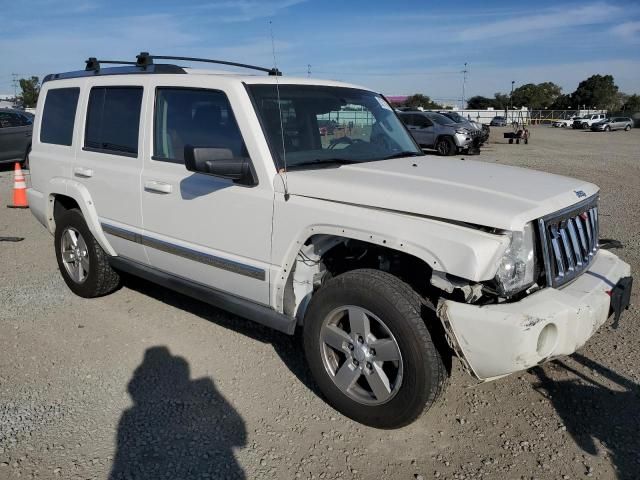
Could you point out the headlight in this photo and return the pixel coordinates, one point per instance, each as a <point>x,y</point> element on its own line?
<point>517,266</point>
<point>462,131</point>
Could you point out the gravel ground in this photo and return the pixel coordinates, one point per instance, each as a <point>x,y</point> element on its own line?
<point>146,383</point>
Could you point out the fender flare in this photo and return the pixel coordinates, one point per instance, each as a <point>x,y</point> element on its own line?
<point>78,192</point>
<point>281,277</point>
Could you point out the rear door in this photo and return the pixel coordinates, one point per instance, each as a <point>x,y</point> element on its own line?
<point>424,130</point>
<point>15,136</point>
<point>109,163</point>
<point>205,229</point>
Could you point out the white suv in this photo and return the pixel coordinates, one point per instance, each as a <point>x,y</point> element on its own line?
<point>221,186</point>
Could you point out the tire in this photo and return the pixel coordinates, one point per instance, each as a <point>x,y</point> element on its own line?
<point>25,161</point>
<point>445,147</point>
<point>607,128</point>
<point>413,383</point>
<point>99,278</point>
<point>585,126</point>
<point>627,128</point>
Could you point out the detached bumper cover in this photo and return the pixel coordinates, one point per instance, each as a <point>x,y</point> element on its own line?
<point>496,340</point>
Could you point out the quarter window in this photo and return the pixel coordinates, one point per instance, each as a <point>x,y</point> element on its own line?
<point>200,118</point>
<point>113,120</point>
<point>59,115</point>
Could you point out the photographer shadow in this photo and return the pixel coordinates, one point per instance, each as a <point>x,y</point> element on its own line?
<point>177,427</point>
<point>594,412</point>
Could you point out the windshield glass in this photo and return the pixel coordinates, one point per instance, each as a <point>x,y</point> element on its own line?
<point>322,124</point>
<point>440,119</point>
<point>455,117</point>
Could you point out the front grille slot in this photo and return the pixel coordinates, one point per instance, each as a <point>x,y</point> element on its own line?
<point>569,241</point>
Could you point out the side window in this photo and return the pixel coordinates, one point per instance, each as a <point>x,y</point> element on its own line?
<point>59,115</point>
<point>8,120</point>
<point>196,117</point>
<point>407,119</point>
<point>113,120</point>
<point>423,122</point>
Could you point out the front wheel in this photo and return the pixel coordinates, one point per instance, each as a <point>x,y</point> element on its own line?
<point>445,146</point>
<point>83,263</point>
<point>369,350</point>
<point>607,128</point>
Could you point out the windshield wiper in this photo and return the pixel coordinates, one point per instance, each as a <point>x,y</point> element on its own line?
<point>325,161</point>
<point>404,154</point>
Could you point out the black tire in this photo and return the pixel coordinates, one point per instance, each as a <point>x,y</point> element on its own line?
<point>101,279</point>
<point>510,141</point>
<point>445,146</point>
<point>607,128</point>
<point>585,126</point>
<point>627,128</point>
<point>425,375</point>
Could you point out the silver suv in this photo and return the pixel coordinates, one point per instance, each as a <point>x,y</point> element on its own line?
<point>15,135</point>
<point>435,131</point>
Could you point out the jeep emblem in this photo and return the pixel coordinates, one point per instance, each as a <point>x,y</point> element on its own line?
<point>579,193</point>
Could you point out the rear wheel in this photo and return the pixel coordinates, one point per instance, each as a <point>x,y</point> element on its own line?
<point>627,128</point>
<point>369,349</point>
<point>445,146</point>
<point>83,263</point>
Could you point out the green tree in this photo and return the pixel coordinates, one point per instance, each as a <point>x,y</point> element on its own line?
<point>562,102</point>
<point>632,104</point>
<point>536,96</point>
<point>597,91</point>
<point>501,101</point>
<point>30,90</point>
<point>419,100</point>
<point>479,102</point>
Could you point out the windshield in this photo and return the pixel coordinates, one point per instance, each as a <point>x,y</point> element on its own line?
<point>455,117</point>
<point>440,119</point>
<point>321,124</point>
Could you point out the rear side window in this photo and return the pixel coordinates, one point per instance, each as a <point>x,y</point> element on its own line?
<point>59,115</point>
<point>201,118</point>
<point>113,120</point>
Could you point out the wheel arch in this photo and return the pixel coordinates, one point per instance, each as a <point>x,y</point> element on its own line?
<point>65,194</point>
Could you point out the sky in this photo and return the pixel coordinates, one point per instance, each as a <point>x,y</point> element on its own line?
<point>394,47</point>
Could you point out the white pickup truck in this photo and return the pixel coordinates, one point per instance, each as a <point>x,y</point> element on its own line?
<point>220,186</point>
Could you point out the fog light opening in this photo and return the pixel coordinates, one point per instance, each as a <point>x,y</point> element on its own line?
<point>547,340</point>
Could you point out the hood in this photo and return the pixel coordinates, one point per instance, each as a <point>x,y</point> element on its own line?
<point>467,191</point>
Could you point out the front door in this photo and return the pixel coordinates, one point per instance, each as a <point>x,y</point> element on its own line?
<point>196,226</point>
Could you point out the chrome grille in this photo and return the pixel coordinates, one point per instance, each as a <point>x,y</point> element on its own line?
<point>569,241</point>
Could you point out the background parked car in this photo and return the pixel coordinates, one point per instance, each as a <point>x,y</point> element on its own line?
<point>479,132</point>
<point>498,122</point>
<point>565,122</point>
<point>15,135</point>
<point>435,131</point>
<point>615,123</point>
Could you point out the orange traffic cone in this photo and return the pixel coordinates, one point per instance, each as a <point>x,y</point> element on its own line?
<point>19,189</point>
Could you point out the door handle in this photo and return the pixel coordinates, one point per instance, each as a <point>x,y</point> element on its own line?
<point>157,187</point>
<point>83,172</point>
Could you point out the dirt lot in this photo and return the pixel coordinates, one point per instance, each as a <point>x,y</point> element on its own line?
<point>90,388</point>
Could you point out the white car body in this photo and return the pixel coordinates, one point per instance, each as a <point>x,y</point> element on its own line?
<point>453,216</point>
<point>564,122</point>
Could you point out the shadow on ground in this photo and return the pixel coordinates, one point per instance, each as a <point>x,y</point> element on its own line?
<point>595,413</point>
<point>288,348</point>
<point>177,427</point>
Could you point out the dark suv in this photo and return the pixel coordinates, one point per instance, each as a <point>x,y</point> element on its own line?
<point>15,135</point>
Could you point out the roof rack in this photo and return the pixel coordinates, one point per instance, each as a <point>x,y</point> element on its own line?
<point>145,59</point>
<point>93,64</point>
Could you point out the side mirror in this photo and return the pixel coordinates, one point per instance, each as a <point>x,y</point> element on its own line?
<point>218,162</point>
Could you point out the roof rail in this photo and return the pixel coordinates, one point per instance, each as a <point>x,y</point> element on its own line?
<point>93,64</point>
<point>145,59</point>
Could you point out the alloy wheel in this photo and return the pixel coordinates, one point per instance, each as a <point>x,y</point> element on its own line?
<point>361,355</point>
<point>75,255</point>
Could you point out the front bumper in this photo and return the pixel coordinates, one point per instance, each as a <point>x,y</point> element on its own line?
<point>463,140</point>
<point>496,340</point>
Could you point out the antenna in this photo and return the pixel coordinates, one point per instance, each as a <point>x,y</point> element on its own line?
<point>464,82</point>
<point>284,150</point>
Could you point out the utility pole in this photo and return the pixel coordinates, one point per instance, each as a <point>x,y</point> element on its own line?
<point>308,70</point>
<point>14,80</point>
<point>513,82</point>
<point>464,82</point>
